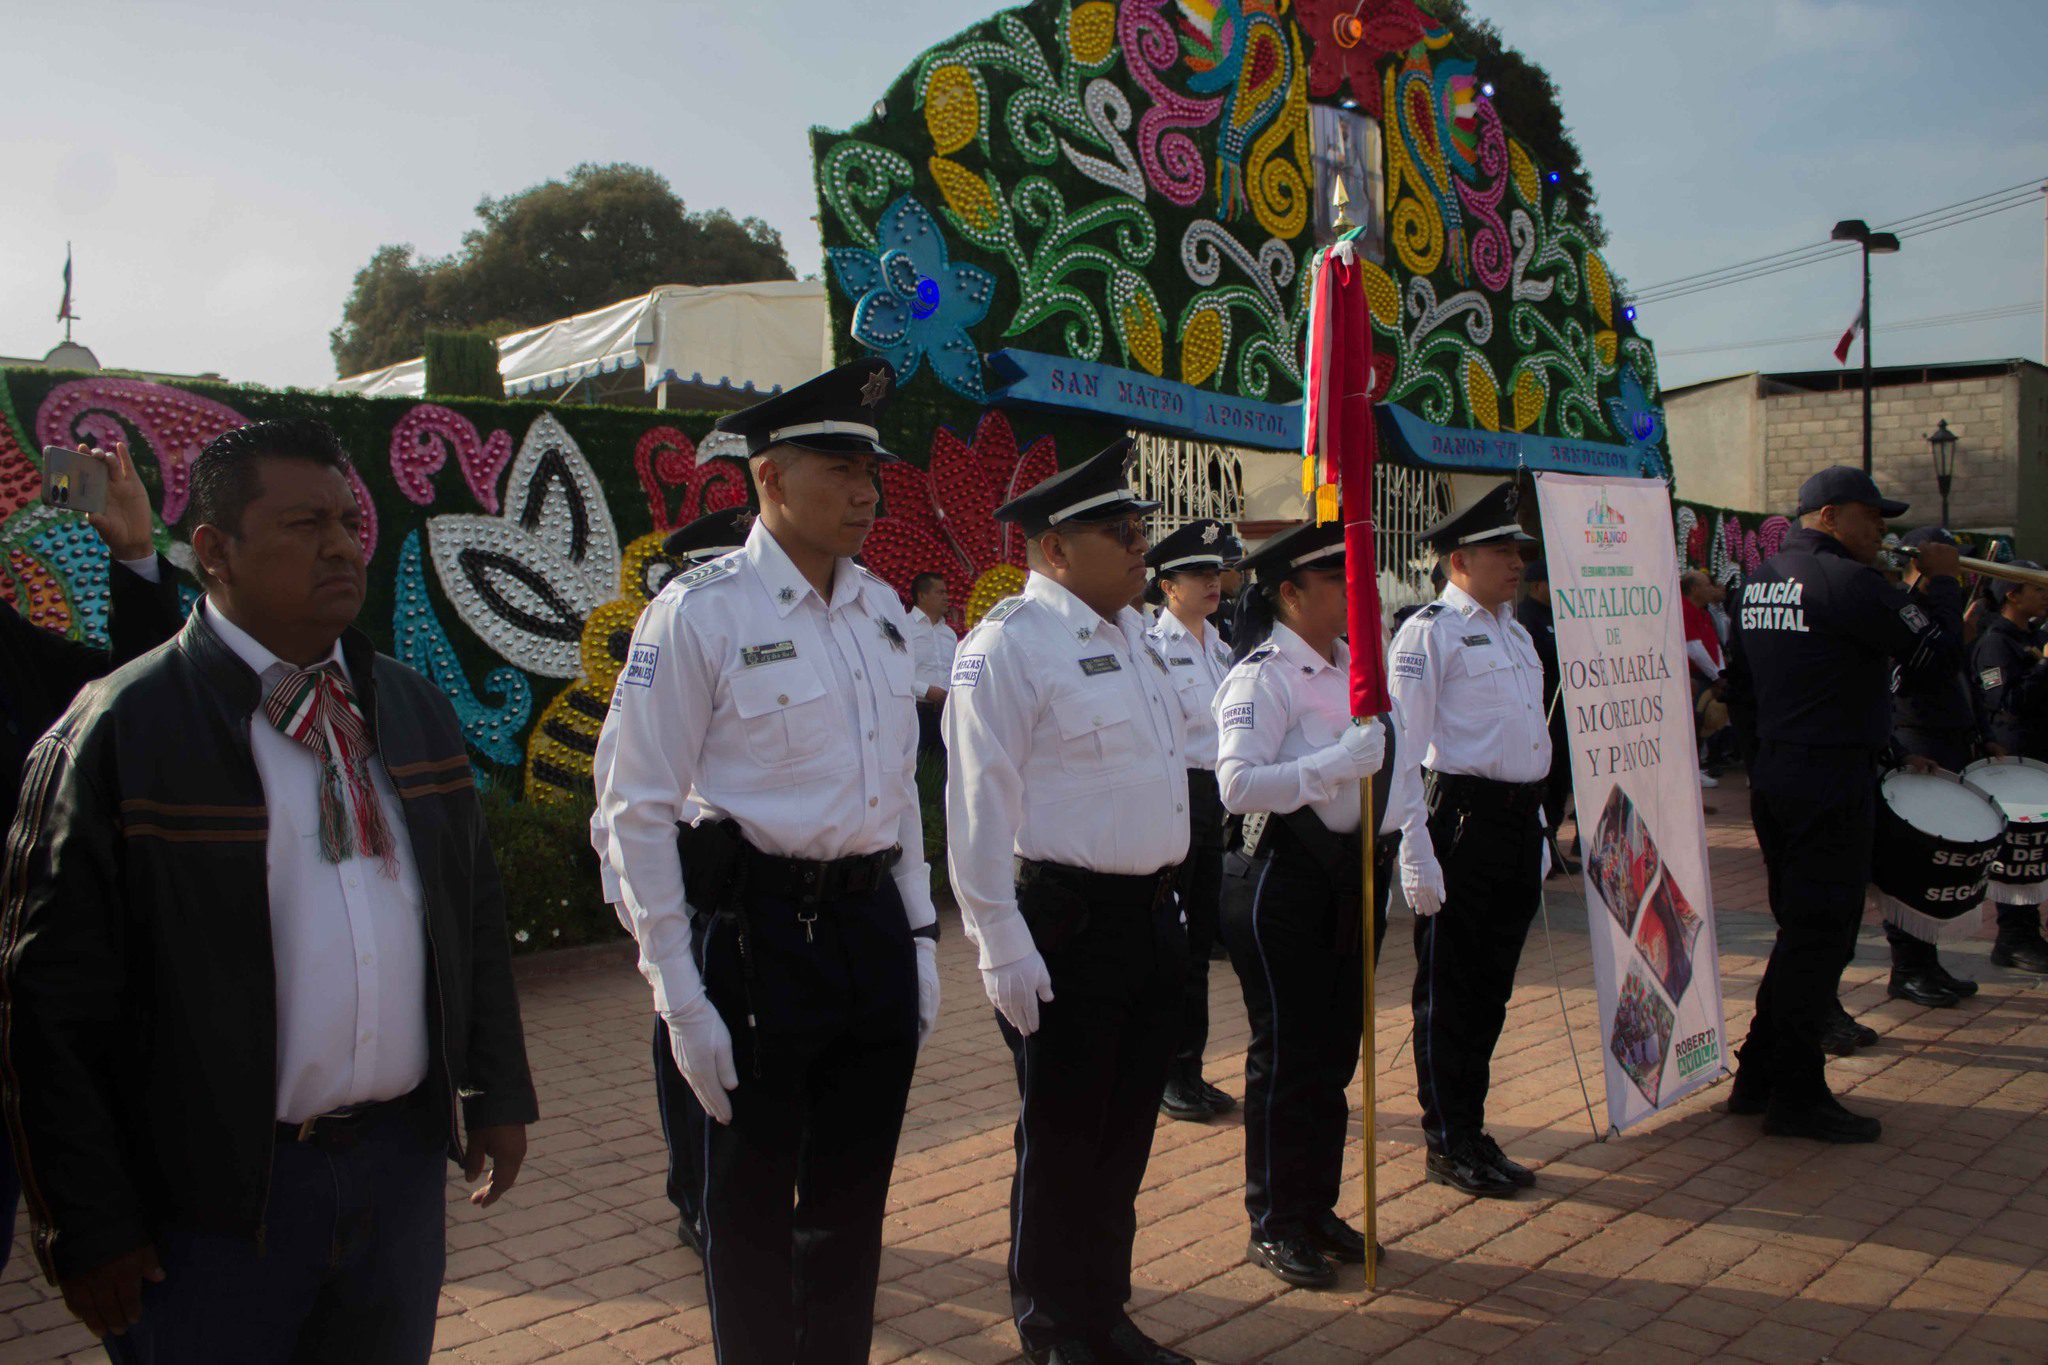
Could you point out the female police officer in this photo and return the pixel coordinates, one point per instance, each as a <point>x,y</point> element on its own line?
<point>1287,748</point>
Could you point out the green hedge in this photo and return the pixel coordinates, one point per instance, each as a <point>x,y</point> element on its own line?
<point>553,896</point>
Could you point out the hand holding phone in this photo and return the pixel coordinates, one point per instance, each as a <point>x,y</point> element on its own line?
<point>74,480</point>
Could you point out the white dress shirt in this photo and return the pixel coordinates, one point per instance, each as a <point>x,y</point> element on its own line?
<point>1065,743</point>
<point>1468,696</point>
<point>747,695</point>
<point>1279,714</point>
<point>1198,667</point>
<point>349,942</point>
<point>932,644</point>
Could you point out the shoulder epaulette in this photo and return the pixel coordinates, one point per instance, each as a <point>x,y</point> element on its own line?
<point>1002,610</point>
<point>721,567</point>
<point>1434,609</point>
<point>1261,654</point>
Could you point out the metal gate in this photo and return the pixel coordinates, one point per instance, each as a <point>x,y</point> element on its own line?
<point>1189,480</point>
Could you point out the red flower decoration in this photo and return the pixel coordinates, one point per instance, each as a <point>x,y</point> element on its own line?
<point>942,520</point>
<point>666,461</point>
<point>1350,37</point>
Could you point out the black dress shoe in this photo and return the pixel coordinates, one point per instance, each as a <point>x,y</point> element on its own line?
<point>1843,1036</point>
<point>1522,1176</point>
<point>1219,1101</point>
<point>1958,985</point>
<point>1466,1168</point>
<point>1824,1120</point>
<point>689,1236</point>
<point>1183,1100</point>
<point>1751,1093</point>
<point>1294,1260</point>
<point>1127,1343</point>
<point>2023,955</point>
<point>1337,1239</point>
<point>1066,1353</point>
<point>1922,988</point>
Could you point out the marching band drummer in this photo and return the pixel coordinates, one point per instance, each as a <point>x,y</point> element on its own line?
<point>2010,683</point>
<point>1469,709</point>
<point>1288,748</point>
<point>1187,569</point>
<point>1813,644</point>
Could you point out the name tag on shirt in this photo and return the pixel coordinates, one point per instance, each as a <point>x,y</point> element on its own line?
<point>1991,677</point>
<point>1478,639</point>
<point>752,656</point>
<point>1101,663</point>
<point>1182,663</point>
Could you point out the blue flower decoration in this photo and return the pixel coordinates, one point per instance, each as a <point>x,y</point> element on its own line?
<point>422,645</point>
<point>912,302</point>
<point>1638,421</point>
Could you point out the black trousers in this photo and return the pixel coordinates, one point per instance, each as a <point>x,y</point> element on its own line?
<point>1465,960</point>
<point>1090,1080</point>
<point>682,1121</point>
<point>1300,957</point>
<point>1951,749</point>
<point>1815,812</point>
<point>793,1188</point>
<point>1201,893</point>
<point>930,738</point>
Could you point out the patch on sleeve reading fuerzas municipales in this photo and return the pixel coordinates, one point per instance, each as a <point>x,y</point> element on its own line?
<point>1409,665</point>
<point>967,669</point>
<point>640,667</point>
<point>1238,716</point>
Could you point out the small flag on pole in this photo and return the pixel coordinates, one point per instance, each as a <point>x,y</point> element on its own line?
<point>1848,339</point>
<point>64,313</point>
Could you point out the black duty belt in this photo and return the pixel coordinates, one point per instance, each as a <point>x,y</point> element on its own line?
<point>810,882</point>
<point>342,1127</point>
<point>1481,795</point>
<point>1153,888</point>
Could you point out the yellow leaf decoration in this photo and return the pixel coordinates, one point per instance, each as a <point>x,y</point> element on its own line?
<point>952,108</point>
<point>1001,580</point>
<point>1201,347</point>
<point>1091,32</point>
<point>1381,294</point>
<point>967,194</point>
<point>1527,184</point>
<point>1600,288</point>
<point>1530,399</point>
<point>1481,395</point>
<point>1604,342</point>
<point>1141,335</point>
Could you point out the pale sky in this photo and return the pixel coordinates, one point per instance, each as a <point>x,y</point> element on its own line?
<point>224,169</point>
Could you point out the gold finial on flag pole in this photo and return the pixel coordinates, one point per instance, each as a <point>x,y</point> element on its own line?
<point>1340,198</point>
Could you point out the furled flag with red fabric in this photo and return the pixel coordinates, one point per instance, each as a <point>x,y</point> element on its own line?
<point>1849,338</point>
<point>1338,447</point>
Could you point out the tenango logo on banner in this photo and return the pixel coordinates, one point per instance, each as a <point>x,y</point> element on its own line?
<point>1628,717</point>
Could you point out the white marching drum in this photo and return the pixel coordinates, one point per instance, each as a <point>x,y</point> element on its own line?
<point>2020,787</point>
<point>1937,838</point>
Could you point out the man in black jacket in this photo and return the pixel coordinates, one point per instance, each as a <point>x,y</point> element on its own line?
<point>255,979</point>
<point>41,671</point>
<point>2009,683</point>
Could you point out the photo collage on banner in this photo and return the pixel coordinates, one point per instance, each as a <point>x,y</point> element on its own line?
<point>1628,713</point>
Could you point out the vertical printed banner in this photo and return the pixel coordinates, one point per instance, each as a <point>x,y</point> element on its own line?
<point>1628,714</point>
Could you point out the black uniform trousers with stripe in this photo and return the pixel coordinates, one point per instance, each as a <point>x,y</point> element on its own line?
<point>681,1128</point>
<point>793,1189</point>
<point>1201,893</point>
<point>1298,947</point>
<point>1090,1079</point>
<point>1466,955</point>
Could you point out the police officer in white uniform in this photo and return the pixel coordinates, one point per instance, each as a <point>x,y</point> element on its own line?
<point>1066,822</point>
<point>707,538</point>
<point>1468,699</point>
<point>1187,573</point>
<point>788,931</point>
<point>1290,762</point>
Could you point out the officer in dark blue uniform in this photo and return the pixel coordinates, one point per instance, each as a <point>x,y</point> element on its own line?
<point>1932,718</point>
<point>1817,627</point>
<point>2009,681</point>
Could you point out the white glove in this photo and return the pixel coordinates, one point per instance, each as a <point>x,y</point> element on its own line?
<point>703,1051</point>
<point>927,987</point>
<point>1546,858</point>
<point>1367,745</point>
<point>1423,885</point>
<point>1016,989</point>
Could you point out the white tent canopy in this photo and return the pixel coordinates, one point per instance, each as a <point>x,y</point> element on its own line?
<point>756,338</point>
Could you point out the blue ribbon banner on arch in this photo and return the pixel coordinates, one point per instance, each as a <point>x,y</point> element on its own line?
<point>1407,439</point>
<point>1137,399</point>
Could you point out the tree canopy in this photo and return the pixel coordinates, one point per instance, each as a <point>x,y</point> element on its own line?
<point>564,246</point>
<point>1527,97</point>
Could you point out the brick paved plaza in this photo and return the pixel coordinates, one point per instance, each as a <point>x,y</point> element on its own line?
<point>1689,1238</point>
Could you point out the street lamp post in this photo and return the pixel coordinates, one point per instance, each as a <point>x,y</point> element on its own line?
<point>1942,442</point>
<point>1883,243</point>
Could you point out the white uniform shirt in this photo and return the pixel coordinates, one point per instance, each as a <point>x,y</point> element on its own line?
<point>1198,668</point>
<point>1066,743</point>
<point>1278,711</point>
<point>756,699</point>
<point>932,644</point>
<point>349,943</point>
<point>1468,696</point>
